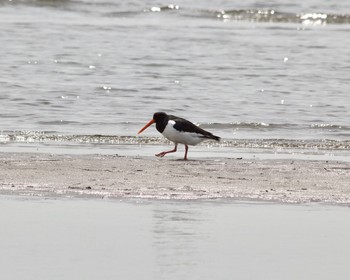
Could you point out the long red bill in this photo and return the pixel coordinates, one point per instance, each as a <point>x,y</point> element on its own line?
<point>147,125</point>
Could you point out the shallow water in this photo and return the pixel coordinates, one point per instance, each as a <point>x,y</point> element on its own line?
<point>89,239</point>
<point>254,70</point>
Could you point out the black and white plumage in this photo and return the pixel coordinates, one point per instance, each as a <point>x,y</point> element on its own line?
<point>179,130</point>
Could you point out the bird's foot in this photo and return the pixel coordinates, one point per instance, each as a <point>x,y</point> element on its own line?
<point>162,154</point>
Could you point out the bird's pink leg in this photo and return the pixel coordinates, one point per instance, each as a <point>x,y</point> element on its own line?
<point>186,150</point>
<point>162,154</point>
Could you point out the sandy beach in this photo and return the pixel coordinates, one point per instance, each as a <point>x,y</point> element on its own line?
<point>106,176</point>
<point>130,217</point>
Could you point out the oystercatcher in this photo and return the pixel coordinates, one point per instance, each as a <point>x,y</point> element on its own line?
<point>178,130</point>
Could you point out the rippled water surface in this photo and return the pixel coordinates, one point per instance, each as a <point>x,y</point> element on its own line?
<point>250,70</point>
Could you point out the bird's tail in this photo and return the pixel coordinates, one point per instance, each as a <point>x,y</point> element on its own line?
<point>212,137</point>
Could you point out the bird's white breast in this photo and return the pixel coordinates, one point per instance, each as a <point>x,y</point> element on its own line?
<point>189,138</point>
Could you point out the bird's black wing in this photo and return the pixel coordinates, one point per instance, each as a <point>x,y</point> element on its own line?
<point>187,126</point>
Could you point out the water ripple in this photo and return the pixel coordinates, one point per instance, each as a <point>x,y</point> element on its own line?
<point>117,9</point>
<point>46,137</point>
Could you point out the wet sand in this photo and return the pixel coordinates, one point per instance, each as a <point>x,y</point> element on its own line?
<point>168,240</point>
<point>106,176</point>
<point>131,217</point>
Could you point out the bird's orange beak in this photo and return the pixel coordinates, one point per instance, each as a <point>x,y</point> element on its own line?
<point>147,125</point>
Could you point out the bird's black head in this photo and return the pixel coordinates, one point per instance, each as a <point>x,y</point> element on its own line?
<point>160,117</point>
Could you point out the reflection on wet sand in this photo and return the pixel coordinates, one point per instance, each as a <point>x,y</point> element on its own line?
<point>177,235</point>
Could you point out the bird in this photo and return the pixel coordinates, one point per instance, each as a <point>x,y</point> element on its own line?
<point>178,130</point>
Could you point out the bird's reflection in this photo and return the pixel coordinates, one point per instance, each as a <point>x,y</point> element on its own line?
<point>177,235</point>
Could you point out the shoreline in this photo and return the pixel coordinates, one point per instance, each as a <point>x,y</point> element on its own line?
<point>134,177</point>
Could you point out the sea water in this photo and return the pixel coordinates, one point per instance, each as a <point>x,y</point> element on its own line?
<point>243,70</point>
